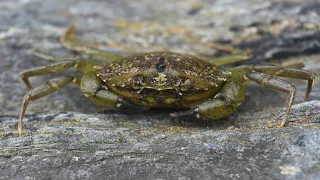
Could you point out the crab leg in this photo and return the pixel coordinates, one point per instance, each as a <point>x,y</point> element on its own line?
<point>289,73</point>
<point>236,56</point>
<point>41,91</point>
<point>84,65</point>
<point>281,72</point>
<point>48,69</point>
<point>46,56</point>
<point>54,58</point>
<point>275,84</point>
<point>69,41</point>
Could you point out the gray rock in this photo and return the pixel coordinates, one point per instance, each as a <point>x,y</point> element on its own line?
<point>69,145</point>
<point>67,139</point>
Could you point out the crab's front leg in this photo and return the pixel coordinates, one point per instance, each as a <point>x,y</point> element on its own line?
<point>53,84</point>
<point>222,105</point>
<point>41,91</point>
<point>91,86</point>
<point>59,64</point>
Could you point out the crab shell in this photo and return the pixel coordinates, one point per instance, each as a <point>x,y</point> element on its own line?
<point>162,79</point>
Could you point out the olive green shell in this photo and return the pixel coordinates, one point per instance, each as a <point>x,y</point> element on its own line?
<point>162,79</point>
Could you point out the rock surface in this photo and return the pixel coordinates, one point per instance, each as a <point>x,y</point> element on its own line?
<point>66,139</point>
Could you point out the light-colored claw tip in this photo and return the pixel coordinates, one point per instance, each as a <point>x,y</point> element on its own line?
<point>283,122</point>
<point>20,129</point>
<point>73,27</point>
<point>20,123</point>
<point>35,50</point>
<point>69,33</point>
<point>309,89</point>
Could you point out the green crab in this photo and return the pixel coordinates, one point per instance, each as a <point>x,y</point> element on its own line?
<point>187,84</point>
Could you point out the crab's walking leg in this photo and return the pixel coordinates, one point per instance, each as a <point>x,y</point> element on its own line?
<point>288,73</point>
<point>227,60</point>
<point>235,57</point>
<point>69,41</point>
<point>278,85</point>
<point>222,105</point>
<point>48,69</point>
<point>265,75</point>
<point>82,65</point>
<point>46,56</point>
<point>54,58</point>
<point>281,72</point>
<point>40,91</point>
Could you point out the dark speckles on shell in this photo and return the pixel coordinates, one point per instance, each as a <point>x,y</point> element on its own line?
<point>161,66</point>
<point>182,72</point>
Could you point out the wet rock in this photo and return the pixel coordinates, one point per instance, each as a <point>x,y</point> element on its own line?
<point>65,137</point>
<point>72,145</point>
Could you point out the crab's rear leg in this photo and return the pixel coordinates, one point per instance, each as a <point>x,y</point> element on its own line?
<point>236,55</point>
<point>41,91</point>
<point>69,41</point>
<point>225,60</point>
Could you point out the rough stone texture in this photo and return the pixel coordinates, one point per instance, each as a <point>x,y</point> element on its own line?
<point>67,139</point>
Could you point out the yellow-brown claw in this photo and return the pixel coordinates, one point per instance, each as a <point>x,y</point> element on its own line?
<point>40,91</point>
<point>20,127</point>
<point>283,122</point>
<point>69,33</point>
<point>25,79</point>
<point>309,88</point>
